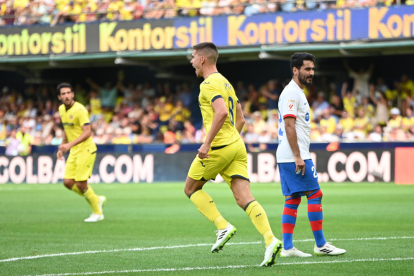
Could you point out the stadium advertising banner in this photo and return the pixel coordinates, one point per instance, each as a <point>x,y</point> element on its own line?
<point>225,31</point>
<point>338,166</point>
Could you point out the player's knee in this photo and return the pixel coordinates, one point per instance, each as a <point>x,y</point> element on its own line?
<point>68,183</point>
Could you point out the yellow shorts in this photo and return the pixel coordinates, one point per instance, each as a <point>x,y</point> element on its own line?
<point>229,161</point>
<point>80,167</point>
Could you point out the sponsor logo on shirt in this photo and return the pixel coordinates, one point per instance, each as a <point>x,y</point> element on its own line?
<point>307,116</point>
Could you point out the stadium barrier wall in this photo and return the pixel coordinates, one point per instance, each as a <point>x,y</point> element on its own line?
<point>376,23</point>
<point>337,166</point>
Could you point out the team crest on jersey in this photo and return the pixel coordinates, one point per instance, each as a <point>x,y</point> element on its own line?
<point>307,117</point>
<point>70,117</point>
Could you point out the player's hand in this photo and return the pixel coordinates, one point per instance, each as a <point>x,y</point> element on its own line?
<point>300,165</point>
<point>64,148</point>
<point>203,151</point>
<point>59,155</point>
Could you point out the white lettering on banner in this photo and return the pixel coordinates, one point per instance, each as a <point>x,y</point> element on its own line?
<point>333,173</point>
<point>103,169</point>
<point>4,162</point>
<point>383,167</point>
<point>120,162</point>
<point>17,161</point>
<point>266,167</point>
<point>30,177</point>
<point>356,157</point>
<point>45,169</point>
<point>59,171</point>
<point>144,171</point>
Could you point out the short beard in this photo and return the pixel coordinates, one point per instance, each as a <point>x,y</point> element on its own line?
<point>303,80</point>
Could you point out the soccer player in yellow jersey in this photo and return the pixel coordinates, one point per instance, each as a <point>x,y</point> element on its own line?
<point>224,153</point>
<point>82,155</point>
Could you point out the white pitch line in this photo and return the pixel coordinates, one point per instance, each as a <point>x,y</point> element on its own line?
<point>178,246</point>
<point>222,267</point>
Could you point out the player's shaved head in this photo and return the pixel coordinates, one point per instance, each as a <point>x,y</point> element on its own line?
<point>207,49</point>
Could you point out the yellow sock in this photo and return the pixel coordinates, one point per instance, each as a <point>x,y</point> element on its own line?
<point>259,218</point>
<point>76,189</point>
<point>207,207</point>
<point>93,200</point>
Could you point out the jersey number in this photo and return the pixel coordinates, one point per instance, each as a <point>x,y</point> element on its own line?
<point>231,107</point>
<point>314,172</point>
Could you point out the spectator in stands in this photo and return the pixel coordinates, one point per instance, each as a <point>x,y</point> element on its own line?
<point>396,119</point>
<point>361,125</point>
<point>381,103</point>
<point>12,144</point>
<point>209,8</point>
<point>58,139</point>
<point>320,103</point>
<point>89,15</point>
<point>26,141</point>
<point>361,79</point>
<point>381,86</point>
<point>41,13</point>
<point>408,120</point>
<point>376,136</point>
<point>107,95</point>
<point>272,94</point>
<point>337,107</point>
<point>405,90</point>
<point>95,105</point>
<point>349,99</point>
<point>154,10</point>
<point>250,136</point>
<point>328,121</point>
<point>69,13</point>
<point>258,122</point>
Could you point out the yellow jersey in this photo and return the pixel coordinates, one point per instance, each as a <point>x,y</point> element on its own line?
<point>213,87</point>
<point>329,123</point>
<point>73,119</point>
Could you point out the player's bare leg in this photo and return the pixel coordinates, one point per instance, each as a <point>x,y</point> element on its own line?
<point>205,204</point>
<point>244,198</point>
<point>96,202</point>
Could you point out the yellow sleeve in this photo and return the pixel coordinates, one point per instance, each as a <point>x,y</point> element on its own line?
<point>83,117</point>
<point>210,92</point>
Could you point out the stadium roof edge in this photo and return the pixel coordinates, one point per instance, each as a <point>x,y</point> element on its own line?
<point>282,49</point>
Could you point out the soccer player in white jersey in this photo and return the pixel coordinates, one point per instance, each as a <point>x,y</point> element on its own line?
<point>297,172</point>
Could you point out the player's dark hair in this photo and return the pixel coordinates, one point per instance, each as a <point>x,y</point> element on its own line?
<point>210,47</point>
<point>296,60</point>
<point>63,85</point>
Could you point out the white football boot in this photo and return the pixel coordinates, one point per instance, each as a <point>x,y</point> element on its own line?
<point>271,252</point>
<point>328,250</point>
<point>97,217</point>
<point>294,252</point>
<point>223,236</point>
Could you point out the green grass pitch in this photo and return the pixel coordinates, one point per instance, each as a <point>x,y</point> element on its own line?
<point>148,229</point>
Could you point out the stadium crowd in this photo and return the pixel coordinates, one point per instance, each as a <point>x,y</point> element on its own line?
<point>138,114</point>
<point>30,12</point>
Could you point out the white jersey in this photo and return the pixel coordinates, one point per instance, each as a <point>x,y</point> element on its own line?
<point>293,103</point>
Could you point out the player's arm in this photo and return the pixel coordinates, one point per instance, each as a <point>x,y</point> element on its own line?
<point>86,133</point>
<point>64,141</point>
<point>93,84</point>
<point>220,115</point>
<point>239,123</point>
<point>293,142</point>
